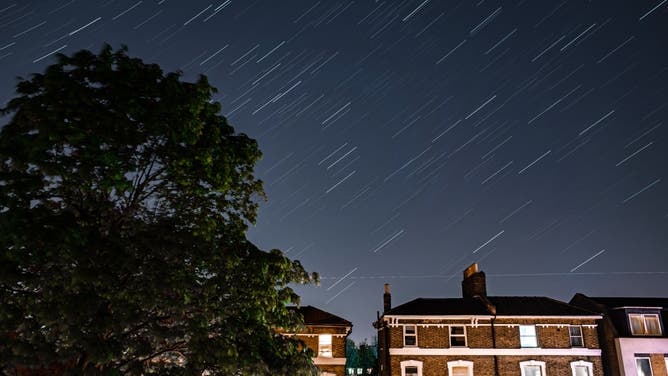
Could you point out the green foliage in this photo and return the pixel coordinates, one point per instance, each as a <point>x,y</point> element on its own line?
<point>363,356</point>
<point>124,202</point>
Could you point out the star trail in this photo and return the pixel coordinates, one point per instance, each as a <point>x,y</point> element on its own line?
<point>404,140</point>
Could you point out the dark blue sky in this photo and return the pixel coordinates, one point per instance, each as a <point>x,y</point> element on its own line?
<point>404,140</point>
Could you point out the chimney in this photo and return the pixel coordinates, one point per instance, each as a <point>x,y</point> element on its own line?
<point>474,282</point>
<point>387,299</point>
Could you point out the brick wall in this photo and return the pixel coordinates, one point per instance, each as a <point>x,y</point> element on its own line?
<point>555,333</point>
<point>508,365</point>
<point>438,365</point>
<point>554,365</point>
<point>310,337</point>
<point>658,364</point>
<point>551,333</point>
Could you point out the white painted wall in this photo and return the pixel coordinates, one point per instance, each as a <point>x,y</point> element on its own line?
<point>628,347</point>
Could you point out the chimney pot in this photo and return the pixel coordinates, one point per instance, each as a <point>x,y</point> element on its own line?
<point>474,283</point>
<point>473,268</point>
<point>387,299</point>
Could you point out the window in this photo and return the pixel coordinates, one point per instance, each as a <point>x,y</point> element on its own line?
<point>643,367</point>
<point>411,368</point>
<point>582,368</point>
<point>411,371</point>
<point>457,336</point>
<point>528,336</point>
<point>460,368</point>
<point>532,368</point>
<point>575,332</point>
<point>644,325</point>
<point>410,335</point>
<point>325,345</point>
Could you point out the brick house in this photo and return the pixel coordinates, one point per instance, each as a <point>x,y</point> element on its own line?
<point>326,335</point>
<point>487,335</point>
<point>632,333</point>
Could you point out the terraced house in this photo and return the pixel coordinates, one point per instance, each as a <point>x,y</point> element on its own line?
<point>487,335</point>
<point>632,333</point>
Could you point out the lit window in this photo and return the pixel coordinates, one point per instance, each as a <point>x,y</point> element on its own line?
<point>582,368</point>
<point>575,332</point>
<point>644,367</point>
<point>460,368</point>
<point>410,335</point>
<point>457,336</point>
<point>528,336</point>
<point>532,368</point>
<point>645,325</point>
<point>411,368</point>
<point>325,345</point>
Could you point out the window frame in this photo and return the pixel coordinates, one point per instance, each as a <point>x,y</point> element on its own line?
<point>320,346</point>
<point>582,363</point>
<point>410,363</point>
<point>643,317</point>
<point>538,363</point>
<point>649,361</point>
<point>581,336</point>
<point>450,335</point>
<point>413,335</point>
<point>460,363</point>
<point>535,336</point>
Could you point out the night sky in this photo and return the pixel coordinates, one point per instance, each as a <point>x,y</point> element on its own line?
<point>404,140</point>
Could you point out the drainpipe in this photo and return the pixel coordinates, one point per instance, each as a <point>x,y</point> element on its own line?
<point>496,359</point>
<point>491,308</point>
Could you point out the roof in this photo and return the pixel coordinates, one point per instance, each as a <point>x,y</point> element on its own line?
<point>505,306</point>
<point>315,316</point>
<point>618,302</point>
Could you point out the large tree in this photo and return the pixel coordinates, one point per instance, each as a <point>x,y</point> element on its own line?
<point>124,202</point>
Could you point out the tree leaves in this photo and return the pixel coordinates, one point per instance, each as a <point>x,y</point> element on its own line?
<point>124,201</point>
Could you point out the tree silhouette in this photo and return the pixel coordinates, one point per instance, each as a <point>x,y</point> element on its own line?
<point>124,202</point>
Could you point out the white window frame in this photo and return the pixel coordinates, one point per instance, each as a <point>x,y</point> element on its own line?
<point>582,363</point>
<point>331,346</point>
<point>570,336</point>
<point>466,343</point>
<point>535,335</point>
<point>411,363</point>
<point>532,363</point>
<point>649,360</point>
<point>644,317</point>
<point>460,363</point>
<point>415,335</point>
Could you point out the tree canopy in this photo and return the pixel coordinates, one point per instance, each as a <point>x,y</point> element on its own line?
<point>124,203</point>
<point>362,358</point>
